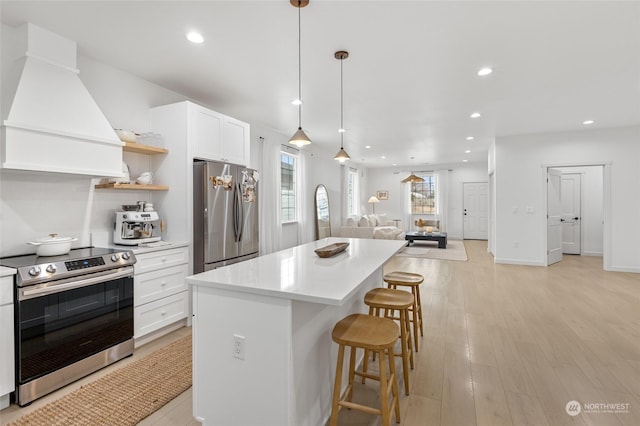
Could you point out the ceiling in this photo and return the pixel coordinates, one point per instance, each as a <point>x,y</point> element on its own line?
<point>410,81</point>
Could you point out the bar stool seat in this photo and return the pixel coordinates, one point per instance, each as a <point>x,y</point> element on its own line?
<point>409,279</point>
<point>373,334</point>
<point>391,300</point>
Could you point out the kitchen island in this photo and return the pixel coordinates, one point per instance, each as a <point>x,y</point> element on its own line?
<point>262,348</point>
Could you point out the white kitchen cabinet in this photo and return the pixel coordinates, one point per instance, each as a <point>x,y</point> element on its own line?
<point>234,147</point>
<point>7,376</point>
<point>207,133</point>
<point>161,296</point>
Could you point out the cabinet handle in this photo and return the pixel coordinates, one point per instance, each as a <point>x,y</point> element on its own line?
<point>164,259</point>
<point>163,313</point>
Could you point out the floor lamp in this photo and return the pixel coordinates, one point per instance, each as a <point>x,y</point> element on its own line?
<point>373,200</point>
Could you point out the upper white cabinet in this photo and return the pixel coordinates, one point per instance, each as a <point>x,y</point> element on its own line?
<point>235,141</point>
<point>207,132</point>
<point>218,137</point>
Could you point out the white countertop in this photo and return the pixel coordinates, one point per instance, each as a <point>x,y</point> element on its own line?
<point>299,274</point>
<point>140,250</point>
<point>4,271</point>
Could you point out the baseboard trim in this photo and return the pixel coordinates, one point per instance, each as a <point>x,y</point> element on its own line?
<point>623,269</point>
<point>591,253</point>
<point>518,262</point>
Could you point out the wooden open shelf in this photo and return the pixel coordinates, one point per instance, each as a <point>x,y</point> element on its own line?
<point>143,149</point>
<point>133,186</point>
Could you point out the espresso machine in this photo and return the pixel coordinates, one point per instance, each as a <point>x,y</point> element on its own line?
<point>136,227</point>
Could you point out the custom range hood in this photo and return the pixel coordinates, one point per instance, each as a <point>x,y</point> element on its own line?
<point>54,125</point>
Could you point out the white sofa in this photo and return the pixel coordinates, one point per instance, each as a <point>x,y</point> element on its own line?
<point>371,226</point>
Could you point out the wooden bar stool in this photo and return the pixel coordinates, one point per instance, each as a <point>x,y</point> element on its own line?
<point>408,279</point>
<point>377,335</point>
<point>392,300</point>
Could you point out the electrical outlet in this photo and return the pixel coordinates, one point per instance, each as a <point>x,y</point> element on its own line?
<point>238,346</point>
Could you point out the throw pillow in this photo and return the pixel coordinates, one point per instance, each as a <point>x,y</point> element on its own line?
<point>373,219</point>
<point>351,222</point>
<point>363,222</point>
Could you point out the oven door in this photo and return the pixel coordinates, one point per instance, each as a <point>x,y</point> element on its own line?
<point>62,322</point>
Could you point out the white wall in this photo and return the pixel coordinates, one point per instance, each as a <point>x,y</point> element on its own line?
<point>591,216</point>
<point>388,179</point>
<point>520,183</point>
<point>33,204</point>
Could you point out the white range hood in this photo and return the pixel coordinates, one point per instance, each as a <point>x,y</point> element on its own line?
<point>54,125</point>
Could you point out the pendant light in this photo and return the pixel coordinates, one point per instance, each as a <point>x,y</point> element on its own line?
<point>299,138</point>
<point>342,155</point>
<point>412,178</point>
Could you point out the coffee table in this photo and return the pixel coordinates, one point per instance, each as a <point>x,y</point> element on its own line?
<point>440,237</point>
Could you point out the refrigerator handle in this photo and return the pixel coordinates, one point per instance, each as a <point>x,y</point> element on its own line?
<point>240,212</point>
<point>236,233</point>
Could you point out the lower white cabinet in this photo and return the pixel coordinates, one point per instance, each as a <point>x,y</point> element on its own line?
<point>161,296</point>
<point>6,340</point>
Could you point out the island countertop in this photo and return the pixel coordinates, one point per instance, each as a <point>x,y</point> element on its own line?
<point>298,273</point>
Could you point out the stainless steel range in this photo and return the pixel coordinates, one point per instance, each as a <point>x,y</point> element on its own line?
<point>73,316</point>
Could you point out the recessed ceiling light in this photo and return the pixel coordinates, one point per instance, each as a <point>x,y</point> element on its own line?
<point>587,122</point>
<point>464,161</point>
<point>341,130</point>
<point>394,164</point>
<point>469,138</point>
<point>383,157</point>
<point>296,102</point>
<point>367,146</point>
<point>475,115</point>
<point>195,37</point>
<point>467,151</point>
<point>485,71</point>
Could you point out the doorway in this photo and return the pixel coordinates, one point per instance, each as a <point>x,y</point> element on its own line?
<point>475,219</point>
<point>581,211</point>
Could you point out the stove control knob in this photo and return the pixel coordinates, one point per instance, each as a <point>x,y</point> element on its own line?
<point>115,258</point>
<point>34,271</point>
<point>125,255</point>
<point>51,268</point>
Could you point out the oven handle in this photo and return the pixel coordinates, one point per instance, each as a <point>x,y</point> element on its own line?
<point>57,288</point>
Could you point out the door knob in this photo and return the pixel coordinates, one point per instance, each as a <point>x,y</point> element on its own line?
<point>561,220</point>
<point>576,218</point>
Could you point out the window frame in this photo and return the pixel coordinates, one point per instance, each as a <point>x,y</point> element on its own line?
<point>295,156</point>
<point>430,193</point>
<point>353,192</point>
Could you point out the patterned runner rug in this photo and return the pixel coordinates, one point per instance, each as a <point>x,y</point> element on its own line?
<point>125,396</point>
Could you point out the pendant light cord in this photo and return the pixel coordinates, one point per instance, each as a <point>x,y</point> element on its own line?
<point>299,69</point>
<point>341,109</point>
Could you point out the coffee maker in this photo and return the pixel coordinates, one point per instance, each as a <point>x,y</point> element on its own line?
<point>136,227</point>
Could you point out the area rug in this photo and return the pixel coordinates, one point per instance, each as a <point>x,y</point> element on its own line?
<point>125,396</point>
<point>426,250</point>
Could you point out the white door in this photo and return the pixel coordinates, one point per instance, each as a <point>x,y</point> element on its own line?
<point>554,212</point>
<point>476,210</point>
<point>571,212</point>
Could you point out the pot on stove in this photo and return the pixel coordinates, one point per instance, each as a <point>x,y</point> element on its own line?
<point>52,245</point>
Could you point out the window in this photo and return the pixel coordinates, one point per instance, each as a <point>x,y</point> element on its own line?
<point>288,163</point>
<point>352,192</point>
<point>423,196</point>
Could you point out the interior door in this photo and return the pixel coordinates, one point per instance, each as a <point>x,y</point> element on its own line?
<point>476,210</point>
<point>554,214</point>
<point>571,213</point>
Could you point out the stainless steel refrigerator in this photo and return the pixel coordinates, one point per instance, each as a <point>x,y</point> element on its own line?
<point>225,222</point>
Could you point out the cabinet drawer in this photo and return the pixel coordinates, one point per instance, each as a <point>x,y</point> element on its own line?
<point>158,284</point>
<point>148,262</point>
<point>155,315</point>
<point>6,290</point>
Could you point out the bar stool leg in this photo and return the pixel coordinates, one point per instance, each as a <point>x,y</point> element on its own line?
<point>352,369</point>
<point>384,388</point>
<point>419,306</point>
<point>336,387</point>
<point>394,385</point>
<point>404,344</point>
<point>414,313</point>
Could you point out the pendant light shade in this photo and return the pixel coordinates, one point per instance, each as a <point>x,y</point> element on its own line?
<point>342,155</point>
<point>299,138</point>
<point>412,178</point>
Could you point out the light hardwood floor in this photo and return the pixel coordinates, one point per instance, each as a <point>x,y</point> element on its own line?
<point>504,345</point>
